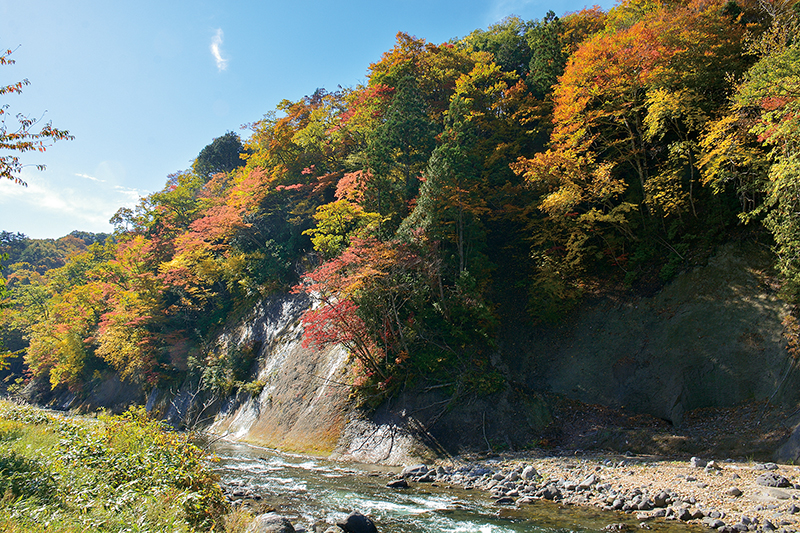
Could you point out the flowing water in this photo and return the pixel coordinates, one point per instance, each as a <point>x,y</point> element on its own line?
<point>309,490</point>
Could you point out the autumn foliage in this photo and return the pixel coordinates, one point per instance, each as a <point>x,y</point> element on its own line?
<point>498,177</point>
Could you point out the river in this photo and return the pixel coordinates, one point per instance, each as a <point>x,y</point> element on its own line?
<point>309,490</point>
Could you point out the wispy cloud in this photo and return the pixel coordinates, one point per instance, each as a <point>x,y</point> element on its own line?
<point>132,195</point>
<point>216,44</point>
<point>88,177</point>
<point>52,207</point>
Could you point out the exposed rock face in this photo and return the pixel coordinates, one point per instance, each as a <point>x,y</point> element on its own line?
<point>304,403</point>
<point>711,338</point>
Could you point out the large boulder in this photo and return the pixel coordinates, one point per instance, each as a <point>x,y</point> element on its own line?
<point>357,523</point>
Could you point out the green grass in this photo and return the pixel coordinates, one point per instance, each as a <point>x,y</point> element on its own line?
<point>123,473</point>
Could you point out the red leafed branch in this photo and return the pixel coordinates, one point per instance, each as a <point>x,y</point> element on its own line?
<point>336,322</point>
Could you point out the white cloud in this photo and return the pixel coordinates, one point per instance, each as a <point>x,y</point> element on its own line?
<point>51,206</point>
<point>88,177</point>
<point>132,195</point>
<point>216,43</point>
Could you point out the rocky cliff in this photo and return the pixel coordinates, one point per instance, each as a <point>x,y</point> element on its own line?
<point>712,338</point>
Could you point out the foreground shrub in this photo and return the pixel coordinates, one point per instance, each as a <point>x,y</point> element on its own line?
<point>111,474</point>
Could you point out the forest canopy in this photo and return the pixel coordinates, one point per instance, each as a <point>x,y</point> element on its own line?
<point>505,174</point>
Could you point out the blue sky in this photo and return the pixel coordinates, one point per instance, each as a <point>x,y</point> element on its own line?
<point>145,85</point>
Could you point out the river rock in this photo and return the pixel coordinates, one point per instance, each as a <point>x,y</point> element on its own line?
<point>765,466</point>
<point>660,499</point>
<point>529,472</point>
<point>771,479</point>
<point>696,462</point>
<point>400,483</point>
<point>713,523</point>
<point>588,482</point>
<point>270,523</point>
<point>427,478</point>
<point>775,493</point>
<point>357,523</point>
<point>414,471</point>
<point>734,491</point>
<point>551,493</point>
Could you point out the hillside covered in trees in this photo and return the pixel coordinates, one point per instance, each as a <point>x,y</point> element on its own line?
<point>512,171</point>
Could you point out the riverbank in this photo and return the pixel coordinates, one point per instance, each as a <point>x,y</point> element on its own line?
<point>62,474</point>
<point>723,495</point>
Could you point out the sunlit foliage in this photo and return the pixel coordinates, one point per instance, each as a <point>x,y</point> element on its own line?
<point>463,184</point>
